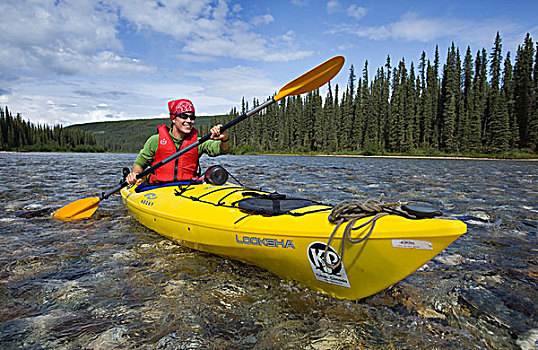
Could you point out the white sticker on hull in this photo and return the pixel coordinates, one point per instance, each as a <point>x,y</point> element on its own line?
<point>316,256</point>
<point>406,243</point>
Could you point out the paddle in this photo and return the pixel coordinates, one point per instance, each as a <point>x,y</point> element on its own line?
<point>311,80</point>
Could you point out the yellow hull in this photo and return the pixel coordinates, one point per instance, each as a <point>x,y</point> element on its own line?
<point>293,246</point>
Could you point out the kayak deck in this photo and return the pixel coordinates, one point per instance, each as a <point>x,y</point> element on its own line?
<point>293,246</point>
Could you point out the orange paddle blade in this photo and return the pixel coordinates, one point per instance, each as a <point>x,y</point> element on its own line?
<point>80,209</point>
<point>312,79</point>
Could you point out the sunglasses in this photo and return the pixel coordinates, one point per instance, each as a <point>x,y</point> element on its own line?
<point>184,116</point>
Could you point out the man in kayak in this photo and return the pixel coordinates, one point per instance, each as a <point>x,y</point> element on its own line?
<point>170,140</point>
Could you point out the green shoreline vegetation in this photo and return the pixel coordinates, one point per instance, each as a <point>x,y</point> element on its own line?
<point>507,156</point>
<point>17,134</point>
<point>481,106</point>
<point>101,136</point>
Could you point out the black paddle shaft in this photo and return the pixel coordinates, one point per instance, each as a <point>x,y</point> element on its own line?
<point>152,169</point>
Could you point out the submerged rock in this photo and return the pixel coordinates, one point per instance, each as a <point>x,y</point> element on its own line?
<point>528,340</point>
<point>450,260</point>
<point>113,338</point>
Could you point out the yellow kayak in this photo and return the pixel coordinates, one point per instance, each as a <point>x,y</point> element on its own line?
<point>292,243</point>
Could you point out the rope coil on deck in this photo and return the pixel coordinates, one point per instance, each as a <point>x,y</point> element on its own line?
<point>353,211</point>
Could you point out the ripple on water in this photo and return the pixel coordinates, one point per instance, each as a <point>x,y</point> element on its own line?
<point>109,282</point>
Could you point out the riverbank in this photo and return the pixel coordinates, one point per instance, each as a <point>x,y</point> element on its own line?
<point>428,157</point>
<point>531,159</point>
<point>522,157</point>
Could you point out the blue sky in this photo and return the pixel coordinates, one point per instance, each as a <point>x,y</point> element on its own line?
<point>73,62</point>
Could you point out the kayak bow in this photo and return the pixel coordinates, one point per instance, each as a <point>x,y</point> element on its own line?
<point>292,245</point>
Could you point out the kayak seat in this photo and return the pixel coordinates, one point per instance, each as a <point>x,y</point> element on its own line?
<point>271,204</point>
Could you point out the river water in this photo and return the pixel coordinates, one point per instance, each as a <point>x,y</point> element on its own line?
<point>108,282</point>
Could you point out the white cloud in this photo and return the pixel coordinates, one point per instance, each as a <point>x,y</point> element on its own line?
<point>52,110</point>
<point>356,11</point>
<point>411,27</point>
<point>289,37</point>
<point>300,3</point>
<point>237,8</point>
<point>31,23</point>
<point>333,6</point>
<point>82,37</point>
<point>242,43</point>
<point>72,100</point>
<point>64,38</point>
<point>180,19</point>
<point>227,87</point>
<point>373,32</point>
<point>263,19</point>
<point>208,28</point>
<point>187,57</point>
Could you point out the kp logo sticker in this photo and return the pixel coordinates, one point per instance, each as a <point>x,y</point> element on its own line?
<point>316,256</point>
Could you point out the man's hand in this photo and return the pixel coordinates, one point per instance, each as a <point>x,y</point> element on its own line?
<point>131,178</point>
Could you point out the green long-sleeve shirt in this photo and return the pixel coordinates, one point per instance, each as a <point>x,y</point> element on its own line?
<point>145,157</point>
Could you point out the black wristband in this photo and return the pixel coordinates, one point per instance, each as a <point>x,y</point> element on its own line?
<point>228,139</point>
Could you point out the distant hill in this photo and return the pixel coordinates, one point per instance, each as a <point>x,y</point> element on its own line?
<point>129,135</point>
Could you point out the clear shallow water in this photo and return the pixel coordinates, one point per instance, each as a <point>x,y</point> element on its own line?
<point>109,282</point>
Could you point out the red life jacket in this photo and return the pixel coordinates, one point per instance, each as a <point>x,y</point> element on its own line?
<point>182,168</point>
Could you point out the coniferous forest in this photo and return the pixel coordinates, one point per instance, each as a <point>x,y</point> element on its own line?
<point>474,103</point>
<point>17,134</point>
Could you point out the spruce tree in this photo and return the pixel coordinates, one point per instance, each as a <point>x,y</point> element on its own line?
<point>385,108</point>
<point>359,116</point>
<point>465,135</point>
<point>3,131</point>
<point>318,128</point>
<point>448,100</point>
<point>429,108</point>
<point>523,89</point>
<point>337,121</point>
<point>497,131</point>
<point>410,111</point>
<point>398,124</point>
<point>533,123</point>
<point>436,104</point>
<point>328,117</point>
<point>348,112</point>
<point>364,114</point>
<point>421,86</point>
<point>372,106</point>
<point>507,91</point>
<point>480,93</point>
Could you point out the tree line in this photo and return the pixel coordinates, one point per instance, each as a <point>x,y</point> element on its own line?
<point>481,104</point>
<point>17,134</point>
<point>130,135</point>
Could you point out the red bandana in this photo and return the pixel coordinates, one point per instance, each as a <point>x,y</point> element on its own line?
<point>180,106</point>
